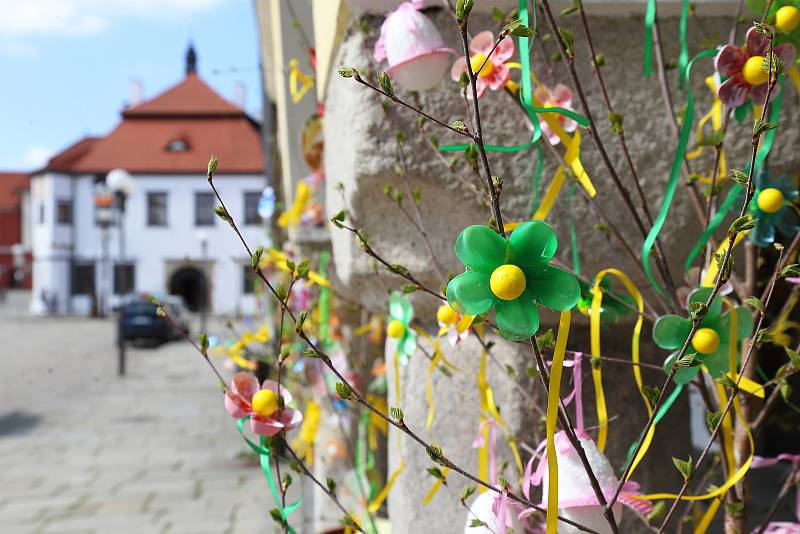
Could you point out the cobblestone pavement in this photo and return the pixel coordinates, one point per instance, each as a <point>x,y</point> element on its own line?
<point>82,451</point>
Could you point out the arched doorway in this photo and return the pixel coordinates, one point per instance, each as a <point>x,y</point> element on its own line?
<point>191,284</point>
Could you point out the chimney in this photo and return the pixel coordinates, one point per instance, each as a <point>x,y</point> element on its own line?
<point>136,93</point>
<point>240,94</point>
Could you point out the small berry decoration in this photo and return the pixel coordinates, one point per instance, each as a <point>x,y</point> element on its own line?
<point>511,275</point>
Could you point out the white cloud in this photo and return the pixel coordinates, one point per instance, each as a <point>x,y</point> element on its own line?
<point>36,157</point>
<point>22,18</point>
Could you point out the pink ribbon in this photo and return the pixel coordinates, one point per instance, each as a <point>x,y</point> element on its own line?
<point>781,527</point>
<point>478,443</point>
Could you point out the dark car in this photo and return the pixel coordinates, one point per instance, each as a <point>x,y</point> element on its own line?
<point>138,320</point>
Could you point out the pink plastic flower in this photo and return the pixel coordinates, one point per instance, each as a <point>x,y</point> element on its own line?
<point>239,399</point>
<point>730,62</point>
<point>560,97</point>
<point>494,74</point>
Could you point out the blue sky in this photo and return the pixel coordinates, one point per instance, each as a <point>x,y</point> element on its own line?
<point>68,64</point>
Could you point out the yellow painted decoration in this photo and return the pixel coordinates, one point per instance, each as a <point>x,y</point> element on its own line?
<point>787,18</point>
<point>553,402</point>
<point>299,83</point>
<point>705,341</point>
<point>265,402</point>
<point>753,71</point>
<point>303,444</point>
<point>447,315</point>
<point>395,329</point>
<point>770,200</point>
<point>480,59</point>
<point>507,282</point>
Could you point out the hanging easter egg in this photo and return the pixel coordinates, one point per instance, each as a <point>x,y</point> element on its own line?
<point>483,509</point>
<point>576,498</point>
<point>411,44</point>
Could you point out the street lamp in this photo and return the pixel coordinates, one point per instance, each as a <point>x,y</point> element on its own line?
<point>202,238</point>
<point>121,183</point>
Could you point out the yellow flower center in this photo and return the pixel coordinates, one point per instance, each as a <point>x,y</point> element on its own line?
<point>753,71</point>
<point>480,59</point>
<point>395,329</point>
<point>507,282</point>
<point>770,200</point>
<point>446,315</point>
<point>787,18</point>
<point>705,341</point>
<point>265,402</point>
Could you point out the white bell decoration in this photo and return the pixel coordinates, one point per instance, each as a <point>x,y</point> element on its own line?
<point>481,508</point>
<point>417,56</point>
<point>576,498</point>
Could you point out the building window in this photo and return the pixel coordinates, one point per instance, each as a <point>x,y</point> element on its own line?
<point>83,279</point>
<point>177,145</point>
<point>64,212</point>
<point>204,209</point>
<point>124,278</point>
<point>249,280</point>
<point>156,209</point>
<point>251,215</point>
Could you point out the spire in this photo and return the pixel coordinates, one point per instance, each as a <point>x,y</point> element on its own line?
<point>191,60</point>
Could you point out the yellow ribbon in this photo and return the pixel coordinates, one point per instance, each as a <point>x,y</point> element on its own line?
<point>299,83</point>
<point>553,395</point>
<point>782,322</point>
<point>435,488</point>
<point>708,517</point>
<point>292,216</point>
<point>794,74</point>
<point>303,444</point>
<point>711,273</point>
<point>715,116</point>
<point>597,376</point>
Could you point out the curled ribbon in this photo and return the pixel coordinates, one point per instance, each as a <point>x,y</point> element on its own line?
<point>299,83</point>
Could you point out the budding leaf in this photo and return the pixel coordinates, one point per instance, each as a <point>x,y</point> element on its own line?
<point>331,486</point>
<point>255,260</point>
<point>754,302</point>
<point>301,318</point>
<point>742,224</point>
<point>688,360</point>
<point>568,38</point>
<point>794,357</point>
<point>763,336</point>
<point>463,9</point>
<point>684,467</point>
<point>760,127</point>
<point>738,176</point>
<point>712,420</point>
<point>467,492</point>
<point>396,413</point>
<point>386,83</point>
<point>698,310</point>
<point>790,270</point>
<point>212,166</point>
<point>346,72</point>
<point>222,213</point>
<point>436,473</point>
<point>203,342</point>
<point>343,390</point>
<point>651,393</point>
<point>616,122</point>
<point>518,29</point>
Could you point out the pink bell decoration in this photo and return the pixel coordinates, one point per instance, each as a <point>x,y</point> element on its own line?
<point>497,512</point>
<point>415,51</point>
<point>376,7</point>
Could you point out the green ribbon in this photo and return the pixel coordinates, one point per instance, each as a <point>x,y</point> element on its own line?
<point>735,192</point>
<point>573,238</point>
<point>537,176</point>
<point>669,194</point>
<point>324,299</point>
<point>649,20</point>
<point>683,59</point>
<point>662,411</point>
<point>264,457</point>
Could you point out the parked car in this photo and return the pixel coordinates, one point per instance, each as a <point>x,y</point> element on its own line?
<point>138,319</point>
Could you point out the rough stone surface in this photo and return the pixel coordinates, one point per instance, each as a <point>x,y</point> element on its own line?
<point>361,154</point>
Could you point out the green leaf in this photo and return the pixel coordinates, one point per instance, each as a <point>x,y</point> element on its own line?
<point>286,482</point>
<point>596,362</point>
<point>467,492</point>
<point>346,72</point>
<point>533,372</point>
<point>712,420</point>
<point>343,390</point>
<point>569,10</point>
<point>568,38</point>
<point>546,340</point>
<point>735,508</point>
<point>790,270</point>
<point>303,269</point>
<point>409,288</point>
<point>738,176</point>
<point>203,342</point>
<point>275,514</point>
<point>697,310</point>
<point>386,83</point>
<point>339,218</point>
<point>476,523</point>
<point>616,122</point>
<point>435,453</point>
<point>212,166</point>
<point>255,259</point>
<point>794,357</point>
<point>600,59</point>
<point>684,467</point>
<point>222,213</point>
<point>725,381</point>
<point>311,353</point>
<point>331,484</point>
<point>659,508</point>
<point>518,29</point>
<point>688,360</point>
<point>652,393</point>
<point>459,125</point>
<point>497,14</point>
<point>760,127</point>
<point>396,413</point>
<point>763,336</point>
<point>463,9</point>
<point>785,389</point>
<point>436,473</point>
<point>754,302</point>
<point>742,224</point>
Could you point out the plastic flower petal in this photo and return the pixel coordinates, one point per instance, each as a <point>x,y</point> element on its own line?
<point>489,66</point>
<point>559,96</point>
<point>511,275</point>
<point>399,326</point>
<point>671,331</point>
<point>239,402</point>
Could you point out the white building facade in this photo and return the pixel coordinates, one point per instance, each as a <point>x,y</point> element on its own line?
<point>92,245</point>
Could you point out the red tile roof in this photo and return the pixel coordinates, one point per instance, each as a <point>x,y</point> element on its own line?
<point>11,183</point>
<point>191,112</point>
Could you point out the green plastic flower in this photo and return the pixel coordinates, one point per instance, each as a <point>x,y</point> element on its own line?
<point>613,307</point>
<point>512,275</point>
<point>399,326</point>
<point>711,340</point>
